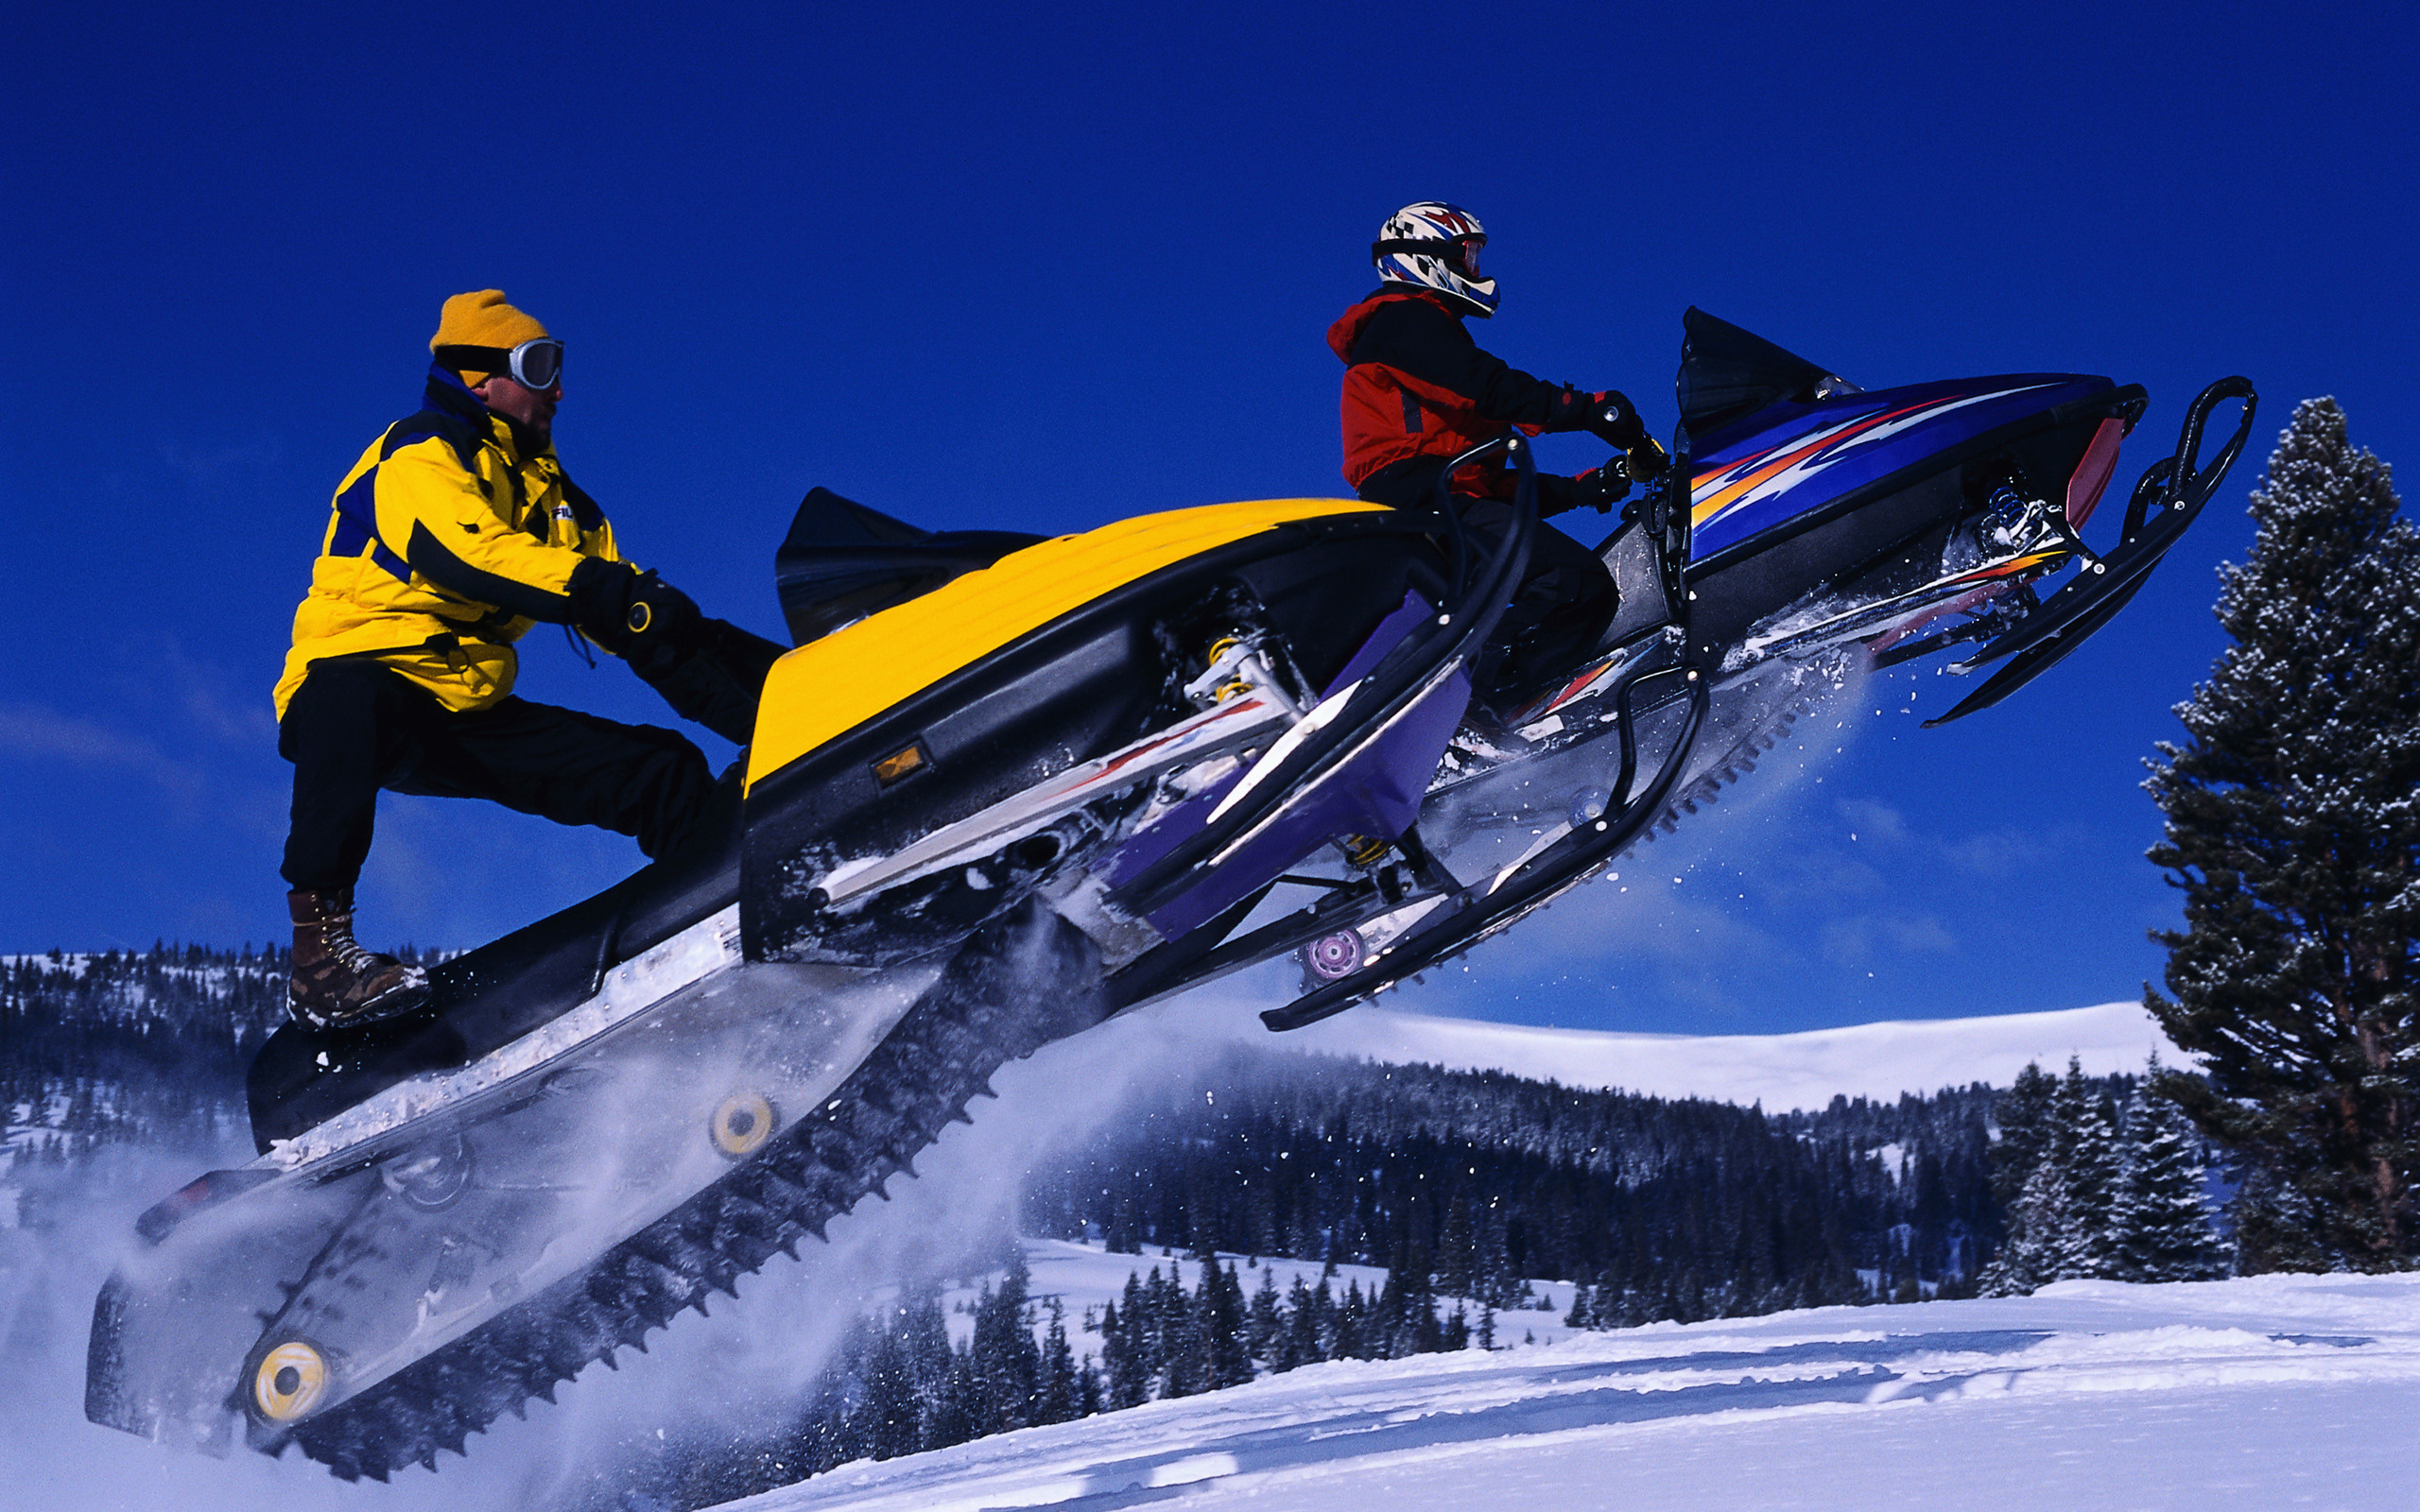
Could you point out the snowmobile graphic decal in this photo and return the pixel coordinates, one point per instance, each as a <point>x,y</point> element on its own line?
<point>1742,489</point>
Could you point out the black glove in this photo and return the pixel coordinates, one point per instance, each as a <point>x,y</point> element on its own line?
<point>1613,419</point>
<point>1646,460</point>
<point>717,681</point>
<point>1602,487</point>
<point>628,611</point>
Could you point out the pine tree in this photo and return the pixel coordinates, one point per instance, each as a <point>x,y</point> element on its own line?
<point>1219,1305</point>
<point>950,1409</point>
<point>2023,1115</point>
<point>2293,831</point>
<point>927,1336</point>
<point>1306,1317</point>
<point>2161,1223</point>
<point>1351,1325</point>
<point>1184,1336</point>
<point>1058,1396</point>
<point>1122,1354</point>
<point>2040,1224</point>
<point>1264,1321</point>
<point>1456,1246</point>
<point>1584,1312</point>
<point>2083,1146</point>
<point>886,1420</point>
<point>1157,1321</point>
<point>2060,1222</point>
<point>1006,1360</point>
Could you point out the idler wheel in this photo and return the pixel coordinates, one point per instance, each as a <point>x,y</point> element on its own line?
<point>432,1176</point>
<point>289,1381</point>
<point>1332,958</point>
<point>742,1123</point>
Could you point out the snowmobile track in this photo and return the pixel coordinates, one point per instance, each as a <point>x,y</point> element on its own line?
<point>937,1059</point>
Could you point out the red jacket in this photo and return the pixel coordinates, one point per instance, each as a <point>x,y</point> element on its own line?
<point>1417,385</point>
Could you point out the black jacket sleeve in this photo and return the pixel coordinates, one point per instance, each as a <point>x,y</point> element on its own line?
<point>1418,339</point>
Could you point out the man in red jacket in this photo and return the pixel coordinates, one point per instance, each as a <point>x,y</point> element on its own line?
<point>1418,390</point>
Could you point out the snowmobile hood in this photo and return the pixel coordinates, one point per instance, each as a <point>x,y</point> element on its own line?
<point>1749,477</point>
<point>828,687</point>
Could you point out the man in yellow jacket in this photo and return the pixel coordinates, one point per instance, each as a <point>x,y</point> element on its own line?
<point>455,533</point>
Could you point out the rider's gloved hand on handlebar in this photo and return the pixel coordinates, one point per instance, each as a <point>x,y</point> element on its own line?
<point>627,610</point>
<point>1613,419</point>
<point>1646,460</point>
<point>1602,487</point>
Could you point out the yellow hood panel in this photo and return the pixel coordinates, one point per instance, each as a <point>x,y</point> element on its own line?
<point>829,687</point>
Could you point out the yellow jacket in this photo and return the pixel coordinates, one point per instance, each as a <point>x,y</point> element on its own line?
<point>443,546</point>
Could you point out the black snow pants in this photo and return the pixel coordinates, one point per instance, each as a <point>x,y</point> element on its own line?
<point>355,727</point>
<point>1565,599</point>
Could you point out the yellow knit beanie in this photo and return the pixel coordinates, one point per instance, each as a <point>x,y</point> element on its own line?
<point>482,318</point>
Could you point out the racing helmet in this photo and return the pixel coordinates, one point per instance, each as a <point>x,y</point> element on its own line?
<point>1433,245</point>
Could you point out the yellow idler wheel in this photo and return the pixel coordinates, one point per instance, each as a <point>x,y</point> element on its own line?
<point>742,1123</point>
<point>289,1381</point>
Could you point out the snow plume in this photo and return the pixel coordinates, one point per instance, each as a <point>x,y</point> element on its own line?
<point>746,1369</point>
<point>1665,908</point>
<point>742,1369</point>
<point>79,1219</point>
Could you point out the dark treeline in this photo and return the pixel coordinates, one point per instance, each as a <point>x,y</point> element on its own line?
<point>181,1012</point>
<point>128,1046</point>
<point>1485,1180</point>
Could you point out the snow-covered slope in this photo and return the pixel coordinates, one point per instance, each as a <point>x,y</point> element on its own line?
<point>2250,1394</point>
<point>1781,1071</point>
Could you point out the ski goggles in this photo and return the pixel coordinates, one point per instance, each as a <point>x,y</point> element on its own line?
<point>537,364</point>
<point>1460,254</point>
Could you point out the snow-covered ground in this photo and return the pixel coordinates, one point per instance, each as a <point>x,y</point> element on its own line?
<point>1781,1071</point>
<point>2264,1393</point>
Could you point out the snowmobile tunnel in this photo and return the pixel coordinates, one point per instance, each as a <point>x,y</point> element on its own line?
<point>834,684</point>
<point>1013,675</point>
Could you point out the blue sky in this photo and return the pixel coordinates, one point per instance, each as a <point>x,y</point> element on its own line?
<point>1039,270</point>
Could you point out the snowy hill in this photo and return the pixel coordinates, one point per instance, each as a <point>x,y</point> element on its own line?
<point>2249,1394</point>
<point>1781,1071</point>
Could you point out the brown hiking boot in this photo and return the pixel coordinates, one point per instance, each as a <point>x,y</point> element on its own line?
<point>337,983</point>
